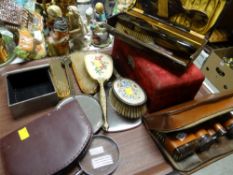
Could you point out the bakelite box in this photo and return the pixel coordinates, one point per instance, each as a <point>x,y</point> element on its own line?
<point>30,90</point>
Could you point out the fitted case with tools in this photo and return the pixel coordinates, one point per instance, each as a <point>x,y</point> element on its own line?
<point>173,32</point>
<point>196,133</point>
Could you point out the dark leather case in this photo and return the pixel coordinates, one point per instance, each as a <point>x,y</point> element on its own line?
<point>48,144</point>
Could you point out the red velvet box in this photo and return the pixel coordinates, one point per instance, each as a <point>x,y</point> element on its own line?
<point>164,86</point>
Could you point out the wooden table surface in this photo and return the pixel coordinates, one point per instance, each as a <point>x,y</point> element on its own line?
<point>138,152</point>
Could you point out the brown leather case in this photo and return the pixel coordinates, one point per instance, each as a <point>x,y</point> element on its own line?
<point>209,113</point>
<point>48,144</point>
<point>191,113</point>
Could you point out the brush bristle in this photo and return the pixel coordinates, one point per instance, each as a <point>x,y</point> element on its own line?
<point>125,110</point>
<point>140,35</point>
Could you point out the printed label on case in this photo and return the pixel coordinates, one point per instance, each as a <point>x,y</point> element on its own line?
<point>96,151</point>
<point>101,161</point>
<point>23,134</point>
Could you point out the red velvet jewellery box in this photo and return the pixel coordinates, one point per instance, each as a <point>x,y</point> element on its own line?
<point>163,85</point>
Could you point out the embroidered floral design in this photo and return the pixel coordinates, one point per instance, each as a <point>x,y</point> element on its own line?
<point>129,90</point>
<point>99,64</point>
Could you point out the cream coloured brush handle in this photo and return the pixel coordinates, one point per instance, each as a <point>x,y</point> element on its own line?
<point>103,105</point>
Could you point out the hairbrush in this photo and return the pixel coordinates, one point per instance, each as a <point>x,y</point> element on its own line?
<point>128,98</point>
<point>135,32</point>
<point>59,78</point>
<point>152,36</point>
<point>86,83</point>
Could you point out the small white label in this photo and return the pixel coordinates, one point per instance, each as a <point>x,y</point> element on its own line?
<point>101,161</point>
<point>96,151</point>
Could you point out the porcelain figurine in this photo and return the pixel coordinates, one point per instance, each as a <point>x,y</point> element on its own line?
<point>100,35</point>
<point>99,12</point>
<point>77,28</point>
<point>75,20</point>
<point>58,41</point>
<point>53,12</point>
<point>31,45</point>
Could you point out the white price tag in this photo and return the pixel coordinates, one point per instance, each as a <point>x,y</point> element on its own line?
<point>102,161</point>
<point>96,151</point>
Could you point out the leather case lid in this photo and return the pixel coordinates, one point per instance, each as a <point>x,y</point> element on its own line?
<point>191,113</point>
<point>48,144</point>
